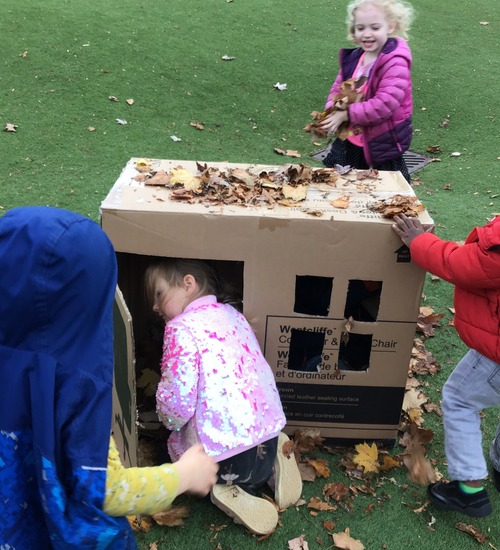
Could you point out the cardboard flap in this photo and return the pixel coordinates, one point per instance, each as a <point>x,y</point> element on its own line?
<point>124,423</point>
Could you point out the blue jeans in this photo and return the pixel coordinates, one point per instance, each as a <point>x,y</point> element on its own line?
<point>473,385</point>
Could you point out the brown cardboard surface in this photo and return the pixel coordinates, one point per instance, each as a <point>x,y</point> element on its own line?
<point>124,423</point>
<point>280,249</point>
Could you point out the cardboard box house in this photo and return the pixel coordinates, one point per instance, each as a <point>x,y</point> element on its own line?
<point>326,283</point>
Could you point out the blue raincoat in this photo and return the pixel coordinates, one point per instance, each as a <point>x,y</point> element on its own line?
<point>57,284</point>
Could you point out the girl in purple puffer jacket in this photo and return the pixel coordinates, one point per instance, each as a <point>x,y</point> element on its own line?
<point>379,127</point>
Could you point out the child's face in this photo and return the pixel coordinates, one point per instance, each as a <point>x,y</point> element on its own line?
<point>371,28</point>
<point>169,301</point>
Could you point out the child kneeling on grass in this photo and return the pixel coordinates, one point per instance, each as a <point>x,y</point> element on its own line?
<point>62,484</point>
<point>217,389</point>
<point>474,384</point>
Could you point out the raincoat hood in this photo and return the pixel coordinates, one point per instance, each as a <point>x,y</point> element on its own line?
<point>57,286</point>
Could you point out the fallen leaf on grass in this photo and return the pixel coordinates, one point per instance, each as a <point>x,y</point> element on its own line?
<point>91,129</point>
<point>198,125</point>
<point>141,524</point>
<point>317,504</point>
<point>227,58</point>
<point>280,87</point>
<point>175,138</point>
<point>121,121</point>
<point>173,516</point>
<point>287,153</point>
<point>345,541</point>
<point>434,149</point>
<point>299,543</point>
<point>24,54</point>
<point>367,457</point>
<point>130,101</point>
<point>307,472</point>
<point>113,98</point>
<point>321,466</point>
<point>9,127</point>
<point>472,531</point>
<point>337,491</point>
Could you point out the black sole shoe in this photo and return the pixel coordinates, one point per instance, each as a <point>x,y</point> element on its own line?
<point>448,496</point>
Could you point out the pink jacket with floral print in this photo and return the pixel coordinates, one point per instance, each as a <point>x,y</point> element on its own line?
<point>216,387</point>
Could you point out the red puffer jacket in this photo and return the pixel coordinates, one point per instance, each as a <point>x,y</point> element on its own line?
<point>474,269</point>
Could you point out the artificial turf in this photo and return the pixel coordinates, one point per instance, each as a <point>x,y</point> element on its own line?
<point>63,59</point>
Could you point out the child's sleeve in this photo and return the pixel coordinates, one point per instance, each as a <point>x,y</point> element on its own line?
<point>177,392</point>
<point>131,491</point>
<point>466,266</point>
<point>334,90</point>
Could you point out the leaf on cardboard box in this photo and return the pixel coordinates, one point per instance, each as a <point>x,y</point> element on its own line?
<point>173,516</point>
<point>397,205</point>
<point>308,440</point>
<point>296,193</point>
<point>345,541</point>
<point>160,178</point>
<point>190,182</point>
<point>367,457</point>
<point>341,202</point>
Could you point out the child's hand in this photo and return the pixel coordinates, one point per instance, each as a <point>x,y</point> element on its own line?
<point>197,471</point>
<point>407,228</point>
<point>332,122</point>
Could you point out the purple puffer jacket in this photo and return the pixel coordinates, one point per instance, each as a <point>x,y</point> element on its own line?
<point>385,114</point>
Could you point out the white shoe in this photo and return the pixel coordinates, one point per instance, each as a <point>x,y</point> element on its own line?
<point>257,514</point>
<point>287,479</point>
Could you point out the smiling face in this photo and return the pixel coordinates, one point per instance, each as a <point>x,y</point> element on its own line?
<point>371,29</point>
<point>170,300</point>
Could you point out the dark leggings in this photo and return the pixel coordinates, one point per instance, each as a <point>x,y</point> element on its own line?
<point>346,153</point>
<point>252,467</point>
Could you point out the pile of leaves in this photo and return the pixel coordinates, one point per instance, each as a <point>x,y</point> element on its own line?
<point>349,93</point>
<point>286,185</point>
<point>397,205</point>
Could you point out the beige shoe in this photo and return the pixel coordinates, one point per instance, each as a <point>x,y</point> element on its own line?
<point>256,514</point>
<point>287,479</point>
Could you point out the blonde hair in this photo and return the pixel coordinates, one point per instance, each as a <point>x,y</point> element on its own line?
<point>398,12</point>
<point>173,270</point>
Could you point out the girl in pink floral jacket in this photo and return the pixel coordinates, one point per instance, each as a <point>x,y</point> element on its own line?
<point>216,388</point>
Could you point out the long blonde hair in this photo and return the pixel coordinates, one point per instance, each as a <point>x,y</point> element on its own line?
<point>398,12</point>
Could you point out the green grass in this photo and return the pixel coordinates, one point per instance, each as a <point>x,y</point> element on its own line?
<point>167,57</point>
